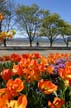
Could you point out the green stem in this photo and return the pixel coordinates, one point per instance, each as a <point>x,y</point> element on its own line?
<point>70,96</point>
<point>55,94</point>
<point>63,95</point>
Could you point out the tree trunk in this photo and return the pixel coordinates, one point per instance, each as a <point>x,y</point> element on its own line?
<point>51,40</point>
<point>67,44</point>
<point>30,42</point>
<point>65,41</point>
<point>0,26</point>
<point>51,44</point>
<point>4,41</point>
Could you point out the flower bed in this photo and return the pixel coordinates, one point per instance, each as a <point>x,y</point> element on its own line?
<point>35,81</point>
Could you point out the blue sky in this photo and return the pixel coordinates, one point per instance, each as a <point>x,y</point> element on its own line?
<point>62,7</point>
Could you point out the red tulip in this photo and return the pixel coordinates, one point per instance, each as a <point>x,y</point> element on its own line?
<point>6,74</point>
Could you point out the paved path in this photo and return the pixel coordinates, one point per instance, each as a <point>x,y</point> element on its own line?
<point>43,52</point>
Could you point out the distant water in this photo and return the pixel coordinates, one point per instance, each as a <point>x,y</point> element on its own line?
<point>39,39</point>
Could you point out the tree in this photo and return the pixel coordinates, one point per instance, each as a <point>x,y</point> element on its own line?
<point>65,31</point>
<point>2,10</point>
<point>30,19</point>
<point>7,9</point>
<point>9,21</point>
<point>50,27</point>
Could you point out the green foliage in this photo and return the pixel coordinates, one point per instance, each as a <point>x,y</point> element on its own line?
<point>38,99</point>
<point>50,27</point>
<point>6,65</point>
<point>31,19</point>
<point>65,30</point>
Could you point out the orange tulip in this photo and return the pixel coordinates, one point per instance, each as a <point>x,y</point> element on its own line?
<point>17,69</point>
<point>15,57</point>
<point>14,86</point>
<point>35,55</point>
<point>25,62</point>
<point>53,57</point>
<point>44,60</point>
<point>65,73</point>
<point>50,69</point>
<point>1,58</point>
<point>2,91</point>
<point>20,103</point>
<point>57,103</point>
<point>42,68</point>
<point>30,74</point>
<point>46,87</point>
<point>6,58</point>
<point>4,101</point>
<point>68,65</point>
<point>61,73</point>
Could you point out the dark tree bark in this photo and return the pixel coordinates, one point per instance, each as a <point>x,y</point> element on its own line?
<point>4,41</point>
<point>30,42</point>
<point>0,26</point>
